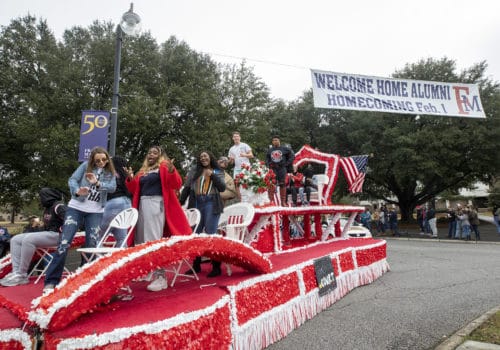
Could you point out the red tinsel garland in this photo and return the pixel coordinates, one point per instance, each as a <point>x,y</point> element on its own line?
<point>365,257</point>
<point>346,261</point>
<point>198,334</point>
<point>264,296</point>
<point>11,345</point>
<point>101,291</point>
<point>309,275</point>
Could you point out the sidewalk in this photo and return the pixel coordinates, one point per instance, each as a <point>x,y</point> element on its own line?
<point>487,230</point>
<point>489,235</point>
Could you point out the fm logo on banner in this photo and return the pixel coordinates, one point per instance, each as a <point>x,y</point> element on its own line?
<point>390,95</point>
<point>93,132</point>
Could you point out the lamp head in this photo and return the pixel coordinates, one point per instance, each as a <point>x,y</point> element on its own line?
<point>131,22</point>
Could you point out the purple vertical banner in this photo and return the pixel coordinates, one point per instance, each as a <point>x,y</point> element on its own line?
<point>93,132</point>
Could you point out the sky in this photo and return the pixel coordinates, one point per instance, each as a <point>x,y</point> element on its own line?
<point>283,39</point>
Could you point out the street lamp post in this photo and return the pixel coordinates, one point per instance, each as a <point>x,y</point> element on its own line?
<point>130,25</point>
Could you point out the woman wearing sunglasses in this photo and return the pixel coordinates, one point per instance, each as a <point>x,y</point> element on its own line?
<point>89,186</point>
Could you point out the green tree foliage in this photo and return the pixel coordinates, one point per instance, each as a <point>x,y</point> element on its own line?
<point>413,159</point>
<point>29,111</point>
<point>170,95</point>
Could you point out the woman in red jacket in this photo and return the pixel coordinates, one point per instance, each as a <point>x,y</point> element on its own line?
<point>154,196</point>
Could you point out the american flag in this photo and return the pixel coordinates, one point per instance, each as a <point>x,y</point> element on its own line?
<point>354,169</point>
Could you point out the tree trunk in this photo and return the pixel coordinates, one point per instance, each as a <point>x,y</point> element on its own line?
<point>406,211</point>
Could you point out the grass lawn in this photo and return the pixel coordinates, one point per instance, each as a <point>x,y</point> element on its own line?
<point>488,332</point>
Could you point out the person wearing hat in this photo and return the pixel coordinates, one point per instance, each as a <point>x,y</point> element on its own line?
<point>279,158</point>
<point>229,196</point>
<point>24,245</point>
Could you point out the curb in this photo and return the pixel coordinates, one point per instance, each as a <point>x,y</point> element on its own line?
<point>440,240</point>
<point>457,338</point>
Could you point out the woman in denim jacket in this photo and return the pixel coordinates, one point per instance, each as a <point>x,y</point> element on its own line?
<point>89,186</point>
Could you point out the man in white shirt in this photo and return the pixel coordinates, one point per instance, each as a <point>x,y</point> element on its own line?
<point>240,153</point>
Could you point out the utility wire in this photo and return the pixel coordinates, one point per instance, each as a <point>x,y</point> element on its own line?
<point>257,60</point>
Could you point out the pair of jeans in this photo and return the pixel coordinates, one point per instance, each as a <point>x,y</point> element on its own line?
<point>209,220</point>
<point>112,208</point>
<point>73,220</point>
<point>452,227</point>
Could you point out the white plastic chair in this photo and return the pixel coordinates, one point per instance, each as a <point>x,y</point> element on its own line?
<point>126,219</point>
<point>321,180</point>
<point>45,258</point>
<point>194,217</point>
<point>234,222</point>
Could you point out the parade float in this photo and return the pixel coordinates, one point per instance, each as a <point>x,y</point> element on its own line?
<point>277,282</point>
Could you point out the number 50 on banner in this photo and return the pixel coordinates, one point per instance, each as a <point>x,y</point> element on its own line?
<point>93,132</point>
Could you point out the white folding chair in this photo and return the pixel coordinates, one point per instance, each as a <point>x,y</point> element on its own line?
<point>45,258</point>
<point>194,217</point>
<point>234,221</point>
<point>321,181</point>
<point>126,219</point>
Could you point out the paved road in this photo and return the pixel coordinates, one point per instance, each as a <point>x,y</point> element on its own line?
<point>434,288</point>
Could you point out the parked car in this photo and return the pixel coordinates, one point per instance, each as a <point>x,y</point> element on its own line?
<point>356,230</point>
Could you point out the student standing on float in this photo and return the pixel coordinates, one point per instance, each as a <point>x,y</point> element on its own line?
<point>203,186</point>
<point>117,202</point>
<point>240,153</point>
<point>154,190</point>
<point>279,159</point>
<point>89,186</point>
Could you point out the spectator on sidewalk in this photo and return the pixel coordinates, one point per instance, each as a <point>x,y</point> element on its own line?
<point>431,219</point>
<point>474,222</point>
<point>451,216</point>
<point>496,217</point>
<point>393,221</point>
<point>420,218</point>
<point>4,240</point>
<point>34,225</point>
<point>463,216</point>
<point>458,230</point>
<point>366,219</point>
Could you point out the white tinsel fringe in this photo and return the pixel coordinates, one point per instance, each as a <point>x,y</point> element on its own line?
<point>275,324</point>
<point>120,334</point>
<point>16,335</point>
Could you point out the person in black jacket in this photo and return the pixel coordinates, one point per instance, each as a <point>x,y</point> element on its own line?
<point>280,159</point>
<point>203,186</point>
<point>23,245</point>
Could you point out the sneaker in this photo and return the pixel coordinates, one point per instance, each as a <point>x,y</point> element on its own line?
<point>8,276</point>
<point>48,288</point>
<point>16,280</point>
<point>158,284</point>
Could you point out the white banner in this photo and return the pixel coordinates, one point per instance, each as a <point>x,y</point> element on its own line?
<point>376,94</point>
